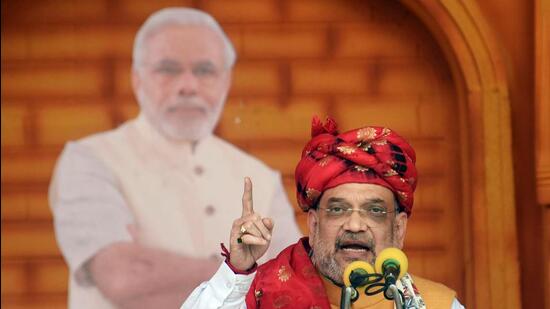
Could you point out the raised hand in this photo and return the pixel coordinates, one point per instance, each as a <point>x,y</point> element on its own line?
<point>250,234</point>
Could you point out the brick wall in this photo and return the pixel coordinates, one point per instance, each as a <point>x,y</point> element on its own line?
<point>65,74</point>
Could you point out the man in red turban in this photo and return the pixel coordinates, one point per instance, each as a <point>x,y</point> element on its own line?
<point>358,190</point>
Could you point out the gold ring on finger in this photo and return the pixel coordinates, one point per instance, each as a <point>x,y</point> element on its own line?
<point>243,229</point>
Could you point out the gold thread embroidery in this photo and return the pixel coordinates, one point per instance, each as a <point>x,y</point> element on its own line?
<point>360,168</point>
<point>283,274</point>
<point>366,133</point>
<point>312,194</point>
<point>324,161</point>
<point>346,149</point>
<point>381,142</point>
<point>402,195</point>
<point>390,172</point>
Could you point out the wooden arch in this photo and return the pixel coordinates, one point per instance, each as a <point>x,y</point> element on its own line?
<point>492,265</point>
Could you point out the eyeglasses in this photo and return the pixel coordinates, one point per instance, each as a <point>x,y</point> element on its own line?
<point>373,214</point>
<point>204,71</point>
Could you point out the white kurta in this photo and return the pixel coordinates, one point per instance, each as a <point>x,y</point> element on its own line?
<point>180,200</point>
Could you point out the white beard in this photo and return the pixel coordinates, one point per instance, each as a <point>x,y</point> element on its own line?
<point>189,129</point>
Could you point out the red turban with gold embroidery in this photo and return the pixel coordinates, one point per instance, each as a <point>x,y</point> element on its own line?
<point>373,155</point>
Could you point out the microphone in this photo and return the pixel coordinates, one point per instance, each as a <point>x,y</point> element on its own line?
<point>393,264</point>
<point>357,274</point>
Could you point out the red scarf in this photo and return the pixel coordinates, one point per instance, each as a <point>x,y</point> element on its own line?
<point>288,281</point>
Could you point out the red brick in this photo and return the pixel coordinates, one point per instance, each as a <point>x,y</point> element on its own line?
<point>234,33</point>
<point>327,10</point>
<point>421,233</point>
<point>430,263</point>
<point>27,205</point>
<point>267,118</point>
<point>81,42</point>
<point>14,120</point>
<point>432,157</point>
<point>435,117</point>
<point>49,276</point>
<point>141,9</point>
<point>24,168</point>
<point>252,78</point>
<point>399,114</point>
<point>368,40</point>
<point>29,11</point>
<point>243,10</point>
<point>328,78</point>
<point>405,76</point>
<point>280,157</point>
<point>59,124</point>
<point>122,79</point>
<point>14,44</point>
<point>377,77</point>
<point>284,41</point>
<point>28,240</point>
<point>52,80</point>
<point>35,301</point>
<point>14,278</point>
<point>432,194</point>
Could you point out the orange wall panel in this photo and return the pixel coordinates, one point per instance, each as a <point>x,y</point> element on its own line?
<point>54,11</point>
<point>29,205</point>
<point>14,278</point>
<point>243,10</point>
<point>14,121</point>
<point>294,41</point>
<point>399,114</point>
<point>365,40</point>
<point>23,168</point>
<point>328,78</point>
<point>38,81</point>
<point>325,11</point>
<point>58,124</point>
<point>139,10</point>
<point>261,118</point>
<point>29,240</point>
<point>256,77</point>
<point>49,276</point>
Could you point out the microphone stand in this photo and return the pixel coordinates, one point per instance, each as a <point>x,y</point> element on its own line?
<point>393,293</point>
<point>348,296</point>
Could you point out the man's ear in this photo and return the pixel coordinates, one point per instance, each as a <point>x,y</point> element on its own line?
<point>312,221</point>
<point>400,229</point>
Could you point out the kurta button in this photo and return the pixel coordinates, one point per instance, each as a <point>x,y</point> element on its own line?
<point>198,170</point>
<point>209,210</point>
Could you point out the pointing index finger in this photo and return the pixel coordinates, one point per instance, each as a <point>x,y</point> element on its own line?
<point>247,197</point>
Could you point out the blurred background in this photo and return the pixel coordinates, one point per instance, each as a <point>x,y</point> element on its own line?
<point>66,74</point>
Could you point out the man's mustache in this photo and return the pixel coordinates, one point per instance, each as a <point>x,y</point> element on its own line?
<point>188,104</point>
<point>355,238</point>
